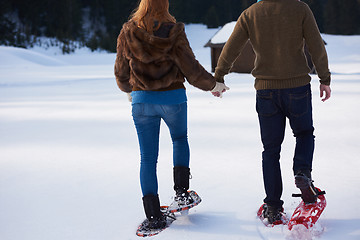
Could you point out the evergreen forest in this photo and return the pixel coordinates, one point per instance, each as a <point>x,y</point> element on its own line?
<point>96,23</point>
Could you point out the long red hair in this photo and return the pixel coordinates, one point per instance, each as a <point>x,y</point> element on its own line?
<point>151,11</point>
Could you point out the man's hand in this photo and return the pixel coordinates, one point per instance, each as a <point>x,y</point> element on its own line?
<point>327,90</point>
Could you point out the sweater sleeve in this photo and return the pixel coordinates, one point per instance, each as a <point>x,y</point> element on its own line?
<point>122,68</point>
<point>232,48</point>
<point>316,47</point>
<point>194,72</point>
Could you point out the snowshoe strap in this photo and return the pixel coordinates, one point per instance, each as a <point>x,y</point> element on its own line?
<point>322,193</point>
<point>166,213</point>
<point>299,194</point>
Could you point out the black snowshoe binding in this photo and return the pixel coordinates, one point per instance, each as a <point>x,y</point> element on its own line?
<point>155,223</point>
<point>274,215</point>
<point>153,226</point>
<point>309,193</point>
<point>183,198</point>
<point>157,218</point>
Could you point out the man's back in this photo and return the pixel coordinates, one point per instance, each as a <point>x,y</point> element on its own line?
<point>277,30</point>
<point>276,33</point>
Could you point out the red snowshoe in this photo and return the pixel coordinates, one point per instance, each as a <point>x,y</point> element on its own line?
<point>307,214</point>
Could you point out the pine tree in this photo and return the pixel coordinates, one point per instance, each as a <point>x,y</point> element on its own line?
<point>342,17</point>
<point>211,18</point>
<point>317,7</point>
<point>7,31</point>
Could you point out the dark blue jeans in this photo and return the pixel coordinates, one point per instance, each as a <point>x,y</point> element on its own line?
<point>273,107</point>
<point>147,118</point>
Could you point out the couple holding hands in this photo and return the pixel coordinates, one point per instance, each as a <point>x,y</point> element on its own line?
<point>154,58</point>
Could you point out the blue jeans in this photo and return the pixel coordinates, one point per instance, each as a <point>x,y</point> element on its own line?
<point>273,107</point>
<point>147,118</point>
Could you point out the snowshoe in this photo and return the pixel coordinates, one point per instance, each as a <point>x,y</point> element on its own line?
<point>152,227</point>
<point>307,214</point>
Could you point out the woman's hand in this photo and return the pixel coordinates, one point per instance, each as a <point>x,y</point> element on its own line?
<point>219,89</point>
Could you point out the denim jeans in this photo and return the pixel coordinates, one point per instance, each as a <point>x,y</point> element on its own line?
<point>273,107</point>
<point>147,118</point>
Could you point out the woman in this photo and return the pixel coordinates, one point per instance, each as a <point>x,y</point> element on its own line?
<point>153,57</point>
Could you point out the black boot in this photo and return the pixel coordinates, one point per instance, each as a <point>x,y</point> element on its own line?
<point>181,185</point>
<point>273,213</point>
<point>153,213</point>
<point>308,191</point>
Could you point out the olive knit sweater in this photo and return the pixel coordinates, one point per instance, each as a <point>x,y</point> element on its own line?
<point>277,30</point>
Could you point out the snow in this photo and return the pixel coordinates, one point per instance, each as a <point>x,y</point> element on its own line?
<point>69,157</point>
<point>10,55</point>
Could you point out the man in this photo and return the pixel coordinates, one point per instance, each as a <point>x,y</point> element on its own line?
<point>278,30</point>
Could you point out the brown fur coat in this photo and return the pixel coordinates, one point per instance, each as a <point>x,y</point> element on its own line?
<point>147,62</point>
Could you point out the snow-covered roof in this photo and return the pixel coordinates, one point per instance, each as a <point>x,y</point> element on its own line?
<point>223,34</point>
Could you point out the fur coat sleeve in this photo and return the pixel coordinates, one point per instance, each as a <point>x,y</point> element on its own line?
<point>122,67</point>
<point>194,72</point>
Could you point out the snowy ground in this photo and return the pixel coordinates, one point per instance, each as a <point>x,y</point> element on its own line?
<point>69,155</point>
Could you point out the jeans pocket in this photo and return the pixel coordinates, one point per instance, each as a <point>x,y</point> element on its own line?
<point>299,103</point>
<point>265,105</point>
<point>171,109</point>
